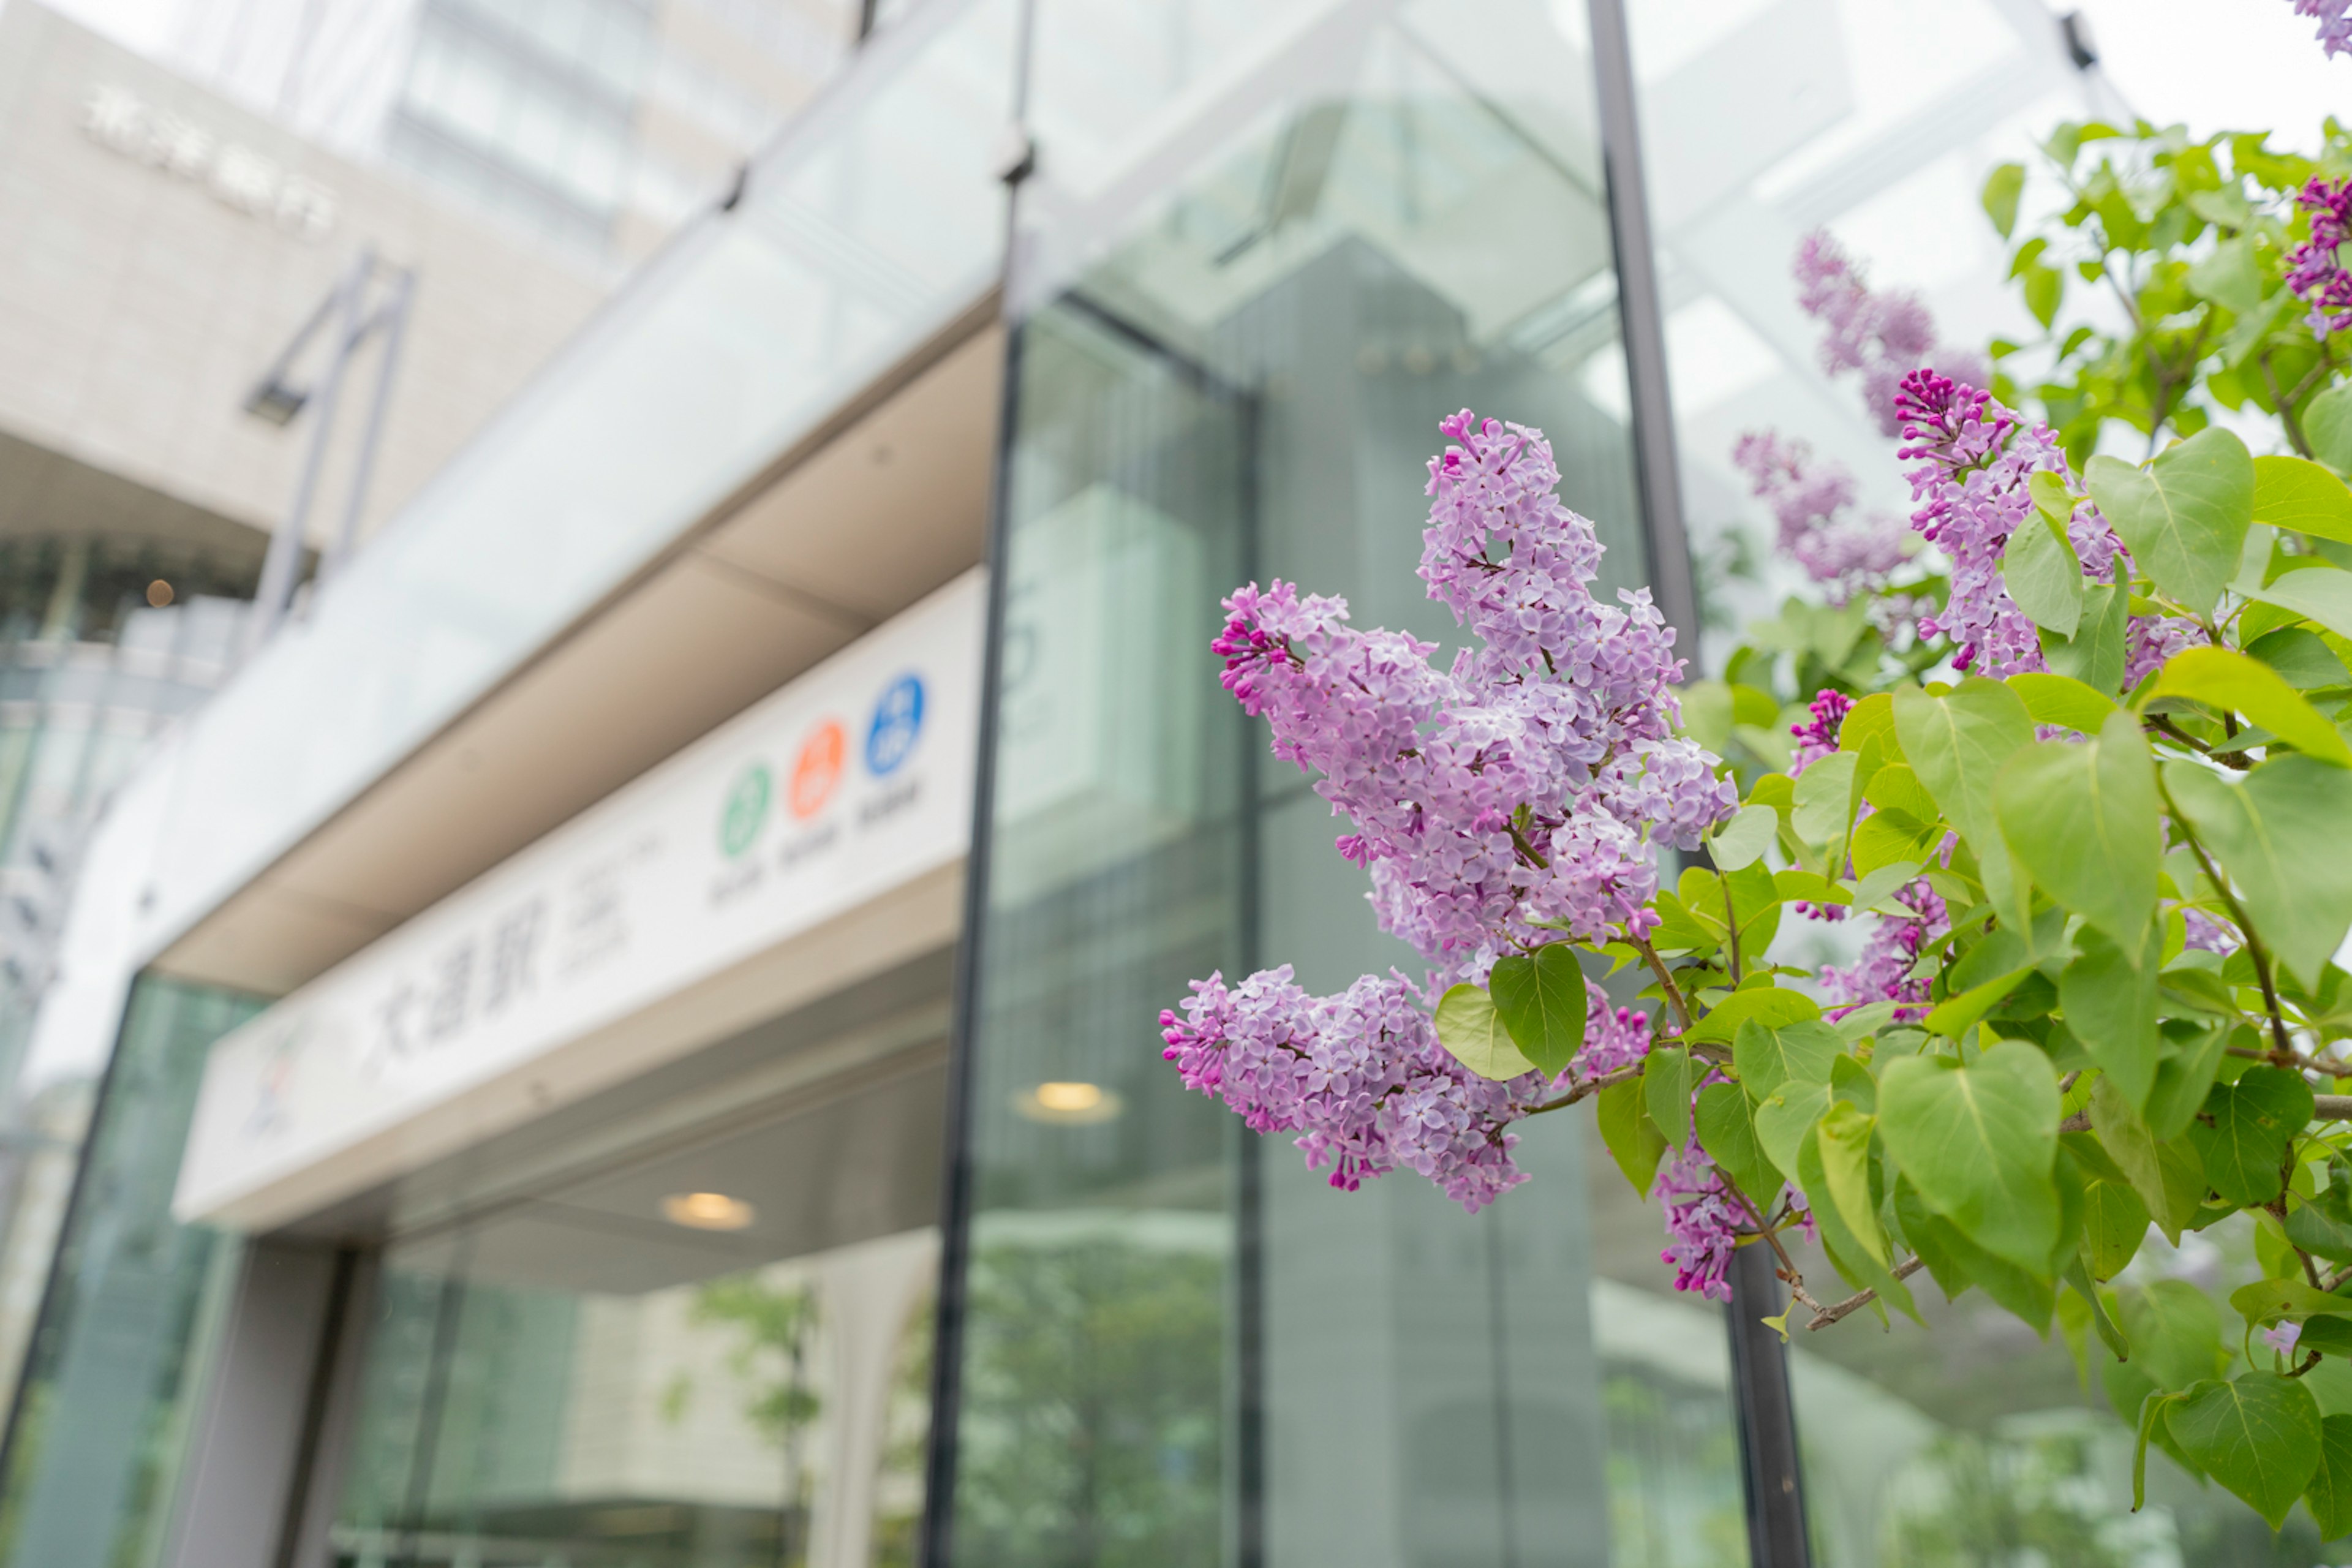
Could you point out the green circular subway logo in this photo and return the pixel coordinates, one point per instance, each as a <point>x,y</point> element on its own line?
<point>746,811</point>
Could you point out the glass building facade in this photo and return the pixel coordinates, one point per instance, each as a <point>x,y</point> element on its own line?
<point>938,1263</point>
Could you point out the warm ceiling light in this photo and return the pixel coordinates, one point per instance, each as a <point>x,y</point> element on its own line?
<point>1066,1102</point>
<point>1069,1096</point>
<point>707,1211</point>
<point>159,593</point>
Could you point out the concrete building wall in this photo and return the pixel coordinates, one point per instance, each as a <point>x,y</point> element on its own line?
<point>158,248</point>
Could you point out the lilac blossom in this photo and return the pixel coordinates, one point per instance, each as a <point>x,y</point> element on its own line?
<point>1883,973</point>
<point>1817,737</point>
<point>1522,792</point>
<point>1702,1221</point>
<point>1884,336</point>
<point>2282,1337</point>
<point>2315,272</point>
<point>2206,934</point>
<point>2334,32</point>
<point>1821,530</point>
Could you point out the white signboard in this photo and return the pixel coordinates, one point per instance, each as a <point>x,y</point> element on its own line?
<point>851,782</point>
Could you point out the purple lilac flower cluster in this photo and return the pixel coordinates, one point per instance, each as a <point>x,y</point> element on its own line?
<point>1883,973</point>
<point>2334,32</point>
<point>2314,270</point>
<point>1976,457</point>
<point>1813,501</point>
<point>1531,783</point>
<point>1885,336</point>
<point>1702,1221</point>
<point>1817,737</point>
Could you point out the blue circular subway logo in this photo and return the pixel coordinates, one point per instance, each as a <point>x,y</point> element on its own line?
<point>897,721</point>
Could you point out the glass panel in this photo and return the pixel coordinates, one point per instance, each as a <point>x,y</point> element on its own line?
<point>1269,247</point>
<point>94,1442</point>
<point>684,1325</point>
<point>870,227</point>
<point>1764,121</point>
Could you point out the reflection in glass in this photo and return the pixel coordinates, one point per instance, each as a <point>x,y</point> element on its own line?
<point>1266,249</point>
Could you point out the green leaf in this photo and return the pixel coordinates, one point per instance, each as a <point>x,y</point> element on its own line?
<point>2002,189</point>
<point>2327,426</point>
<point>2296,493</point>
<point>1633,1141</point>
<point>2259,1437</point>
<point>1825,796</point>
<point>2268,1300</point>
<point>2322,1224</point>
<point>2151,1424</point>
<point>1844,1133</point>
<point>2063,699</point>
<point>2115,1222</point>
<point>2174,1331</point>
<point>1767,1006</point>
<point>2097,652</point>
<point>2083,819</point>
<point>1471,1033</point>
<point>1785,1119</point>
<point>1955,745</point>
<point>1931,1235</point>
<point>1801,1053</point>
<point>2244,1132</point>
<point>2268,831</point>
<point>1540,997</point>
<point>2109,999</point>
<point>2231,681</point>
<point>2303,659</point>
<point>2182,1078</point>
<point>1855,1259</point>
<point>2136,1153</point>
<point>1979,1142</point>
<point>2226,276</point>
<point>1743,840</point>
<point>2320,593</point>
<point>2044,288</point>
<point>2329,1497</point>
<point>1954,1015</point>
<point>2044,576</point>
<point>2185,515</point>
<point>1668,1079</point>
<point>1726,1131</point>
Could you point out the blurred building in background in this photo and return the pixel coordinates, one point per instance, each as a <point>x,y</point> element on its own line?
<point>625,1033</point>
<point>159,248</point>
<point>597,125</point>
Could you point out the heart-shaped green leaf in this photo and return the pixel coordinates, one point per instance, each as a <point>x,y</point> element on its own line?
<point>1767,1006</point>
<point>2296,493</point>
<point>2063,699</point>
<point>2185,515</point>
<point>1668,1081</point>
<point>2230,681</point>
<point>1632,1140</point>
<point>1540,997</point>
<point>2259,1437</point>
<point>2042,574</point>
<point>1955,745</point>
<point>1980,1141</point>
<point>2082,819</point>
<point>2110,1002</point>
<point>2264,829</point>
<point>1471,1033</point>
<point>2329,1495</point>
<point>2100,648</point>
<point>2320,594</point>
<point>1801,1053</point>
<point>1743,840</point>
<point>1726,1131</point>
<point>2244,1132</point>
<point>2174,1331</point>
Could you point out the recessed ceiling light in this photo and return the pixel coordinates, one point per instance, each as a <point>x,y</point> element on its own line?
<point>1068,1103</point>
<point>707,1211</point>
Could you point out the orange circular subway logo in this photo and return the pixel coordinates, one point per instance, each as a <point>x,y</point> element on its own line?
<point>817,770</point>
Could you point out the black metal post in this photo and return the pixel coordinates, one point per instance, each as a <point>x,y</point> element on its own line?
<point>1768,1430</point>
